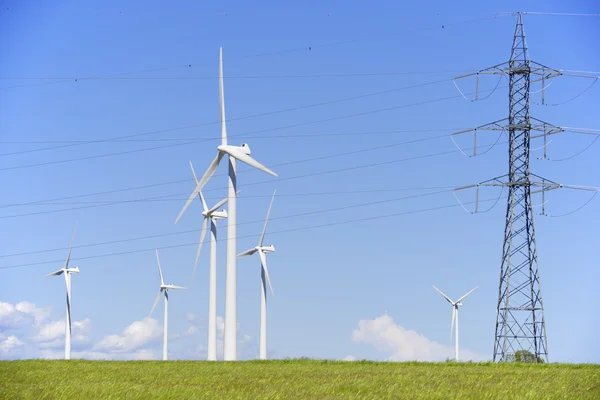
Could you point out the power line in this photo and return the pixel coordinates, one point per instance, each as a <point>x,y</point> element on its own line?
<point>208,190</point>
<point>246,134</point>
<point>370,218</point>
<point>558,14</point>
<point>270,137</point>
<point>324,103</point>
<point>185,195</point>
<point>100,76</point>
<point>349,41</point>
<point>175,78</point>
<point>277,52</point>
<point>239,223</point>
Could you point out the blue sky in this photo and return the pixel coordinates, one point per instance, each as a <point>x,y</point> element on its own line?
<point>342,288</point>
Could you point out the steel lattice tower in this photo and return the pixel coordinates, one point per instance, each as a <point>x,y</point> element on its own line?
<point>520,321</point>
<point>520,312</point>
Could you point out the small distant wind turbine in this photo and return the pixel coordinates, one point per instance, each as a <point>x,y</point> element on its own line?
<point>67,272</point>
<point>164,288</point>
<point>455,305</point>
<point>213,215</point>
<point>264,273</point>
<point>234,153</point>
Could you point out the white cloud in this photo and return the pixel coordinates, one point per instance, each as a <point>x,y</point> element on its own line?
<point>349,358</point>
<point>27,331</point>
<point>135,336</point>
<point>52,334</point>
<point>20,315</point>
<point>402,344</point>
<point>9,343</point>
<point>141,354</point>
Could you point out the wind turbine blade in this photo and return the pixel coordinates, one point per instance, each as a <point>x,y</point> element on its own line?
<point>221,203</point>
<point>202,234</point>
<point>204,206</point>
<point>209,172</point>
<point>222,99</point>
<point>452,325</point>
<point>446,297</point>
<point>263,261</point>
<point>245,158</point>
<point>193,172</point>
<point>71,245</point>
<point>60,271</point>
<point>262,236</point>
<point>159,269</point>
<point>247,253</point>
<point>174,287</point>
<point>462,298</point>
<point>155,302</point>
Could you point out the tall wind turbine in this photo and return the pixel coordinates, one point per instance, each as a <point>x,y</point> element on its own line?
<point>213,215</point>
<point>234,153</point>
<point>455,305</point>
<point>67,273</point>
<point>164,288</point>
<point>264,273</point>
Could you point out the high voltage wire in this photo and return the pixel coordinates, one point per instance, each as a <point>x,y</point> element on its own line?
<point>548,13</point>
<point>98,76</point>
<point>370,218</point>
<point>245,117</point>
<point>249,184</point>
<point>493,16</point>
<point>238,135</point>
<point>277,52</point>
<point>175,78</point>
<point>270,137</point>
<point>171,197</point>
<point>239,223</point>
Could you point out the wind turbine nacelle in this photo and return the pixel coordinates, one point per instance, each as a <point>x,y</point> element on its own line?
<point>245,148</point>
<point>73,270</point>
<point>219,214</point>
<point>268,249</point>
<point>458,304</point>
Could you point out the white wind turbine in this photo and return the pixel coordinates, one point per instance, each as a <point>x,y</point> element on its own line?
<point>164,288</point>
<point>264,275</point>
<point>67,272</point>
<point>213,215</point>
<point>234,153</point>
<point>455,305</point>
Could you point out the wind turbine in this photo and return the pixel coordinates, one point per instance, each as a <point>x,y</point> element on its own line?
<point>164,288</point>
<point>264,273</point>
<point>234,153</point>
<point>455,305</point>
<point>213,215</point>
<point>67,272</point>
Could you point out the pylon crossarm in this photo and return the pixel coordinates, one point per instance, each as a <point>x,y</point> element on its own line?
<point>577,187</point>
<point>493,70</point>
<point>492,126</point>
<point>492,182</point>
<point>584,131</point>
<point>543,72</point>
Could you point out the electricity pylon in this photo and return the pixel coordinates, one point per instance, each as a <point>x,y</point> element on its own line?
<point>520,321</point>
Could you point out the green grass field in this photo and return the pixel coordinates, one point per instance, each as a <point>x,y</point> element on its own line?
<point>294,379</point>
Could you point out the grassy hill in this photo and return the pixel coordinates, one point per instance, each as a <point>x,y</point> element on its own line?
<point>294,379</point>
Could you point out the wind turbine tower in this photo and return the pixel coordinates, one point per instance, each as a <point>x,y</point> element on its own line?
<point>213,214</point>
<point>264,279</point>
<point>164,288</point>
<point>234,153</point>
<point>455,305</point>
<point>67,273</point>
